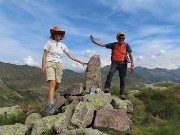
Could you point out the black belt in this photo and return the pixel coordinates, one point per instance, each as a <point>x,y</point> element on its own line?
<point>119,62</point>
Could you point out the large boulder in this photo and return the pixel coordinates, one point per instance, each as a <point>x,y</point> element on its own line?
<point>62,123</point>
<point>43,125</point>
<point>115,119</point>
<point>17,129</point>
<point>99,100</point>
<point>87,131</point>
<point>14,110</point>
<point>30,120</point>
<point>93,74</point>
<point>76,89</point>
<point>118,103</point>
<point>83,115</point>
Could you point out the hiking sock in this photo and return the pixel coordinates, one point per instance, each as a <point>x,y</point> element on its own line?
<point>51,104</point>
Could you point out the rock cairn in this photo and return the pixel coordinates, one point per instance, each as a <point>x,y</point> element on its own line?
<point>79,111</point>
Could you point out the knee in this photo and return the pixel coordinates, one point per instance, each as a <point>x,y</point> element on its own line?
<point>53,84</point>
<point>110,73</point>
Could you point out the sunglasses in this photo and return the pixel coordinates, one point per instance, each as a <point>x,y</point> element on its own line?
<point>121,38</point>
<point>59,34</point>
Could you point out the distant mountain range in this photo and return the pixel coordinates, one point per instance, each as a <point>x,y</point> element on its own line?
<point>159,74</point>
<point>25,83</point>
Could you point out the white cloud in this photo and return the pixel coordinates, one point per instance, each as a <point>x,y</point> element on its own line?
<point>162,51</point>
<point>162,59</point>
<point>132,6</point>
<point>17,62</point>
<point>89,53</point>
<point>155,55</point>
<point>154,30</point>
<point>78,65</point>
<point>105,63</point>
<point>139,58</point>
<point>152,57</point>
<point>29,61</point>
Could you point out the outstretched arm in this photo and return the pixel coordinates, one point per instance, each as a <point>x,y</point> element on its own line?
<point>95,42</point>
<point>75,59</point>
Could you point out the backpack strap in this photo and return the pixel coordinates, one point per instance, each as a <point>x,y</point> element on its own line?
<point>113,51</point>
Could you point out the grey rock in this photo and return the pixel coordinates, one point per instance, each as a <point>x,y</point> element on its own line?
<point>118,103</point>
<point>115,119</point>
<point>14,110</point>
<point>63,123</point>
<point>76,89</point>
<point>93,75</point>
<point>83,115</point>
<point>87,131</point>
<point>43,125</point>
<point>30,120</point>
<point>98,101</point>
<point>16,129</point>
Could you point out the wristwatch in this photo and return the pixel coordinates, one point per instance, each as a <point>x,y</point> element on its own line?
<point>132,64</point>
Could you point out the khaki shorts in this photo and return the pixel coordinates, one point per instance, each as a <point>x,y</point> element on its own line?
<point>54,71</point>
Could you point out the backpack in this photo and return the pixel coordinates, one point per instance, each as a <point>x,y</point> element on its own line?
<point>119,53</point>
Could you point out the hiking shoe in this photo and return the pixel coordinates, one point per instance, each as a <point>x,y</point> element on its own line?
<point>106,90</point>
<point>122,97</point>
<point>53,111</point>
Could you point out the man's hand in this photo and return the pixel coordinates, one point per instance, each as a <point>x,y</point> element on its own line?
<point>83,63</point>
<point>132,68</point>
<point>92,38</point>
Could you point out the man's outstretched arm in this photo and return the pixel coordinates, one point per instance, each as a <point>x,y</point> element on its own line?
<point>95,42</point>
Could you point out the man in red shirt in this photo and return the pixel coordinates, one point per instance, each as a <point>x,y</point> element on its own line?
<point>120,49</point>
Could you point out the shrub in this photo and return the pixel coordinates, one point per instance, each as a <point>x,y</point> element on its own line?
<point>141,118</point>
<point>12,119</point>
<point>50,132</point>
<point>163,110</point>
<point>160,103</point>
<point>115,91</point>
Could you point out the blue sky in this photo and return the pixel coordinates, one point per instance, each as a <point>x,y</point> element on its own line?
<point>151,26</point>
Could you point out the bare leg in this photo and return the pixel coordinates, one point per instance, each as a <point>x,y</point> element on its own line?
<point>52,88</point>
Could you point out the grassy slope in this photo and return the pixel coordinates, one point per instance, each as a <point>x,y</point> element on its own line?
<point>156,112</point>
<point>22,83</point>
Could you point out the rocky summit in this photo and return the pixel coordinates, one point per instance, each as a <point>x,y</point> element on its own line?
<point>80,111</point>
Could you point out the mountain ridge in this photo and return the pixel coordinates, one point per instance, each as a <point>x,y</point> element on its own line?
<point>27,83</point>
<point>159,74</point>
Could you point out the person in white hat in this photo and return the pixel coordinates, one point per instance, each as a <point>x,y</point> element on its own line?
<point>121,51</point>
<point>52,63</point>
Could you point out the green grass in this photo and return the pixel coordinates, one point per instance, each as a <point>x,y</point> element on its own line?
<point>12,119</point>
<point>156,111</point>
<point>161,103</point>
<point>170,128</point>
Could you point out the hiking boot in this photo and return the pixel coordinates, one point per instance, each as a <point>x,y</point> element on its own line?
<point>106,90</point>
<point>53,111</point>
<point>122,97</point>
